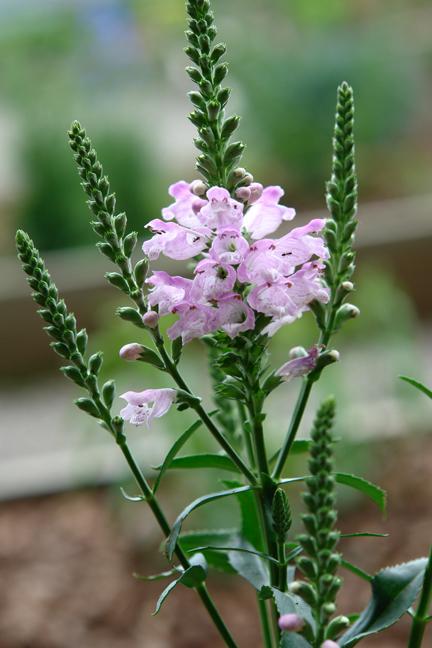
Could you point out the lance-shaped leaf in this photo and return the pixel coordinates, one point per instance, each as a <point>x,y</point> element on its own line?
<point>204,460</point>
<point>418,385</point>
<point>192,577</point>
<point>394,590</point>
<point>200,501</point>
<point>250,565</point>
<point>374,492</point>
<point>250,522</point>
<point>162,598</point>
<point>194,540</point>
<point>175,448</point>
<point>287,603</point>
<point>356,570</point>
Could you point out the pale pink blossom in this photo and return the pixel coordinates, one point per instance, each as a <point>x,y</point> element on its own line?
<point>261,264</point>
<point>184,209</point>
<point>195,320</point>
<point>229,246</point>
<point>174,241</point>
<point>143,407</point>
<point>299,366</point>
<point>221,210</point>
<point>291,623</point>
<point>234,316</point>
<point>265,215</point>
<point>167,291</point>
<point>212,280</point>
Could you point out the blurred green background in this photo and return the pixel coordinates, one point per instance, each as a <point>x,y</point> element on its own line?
<point>118,67</point>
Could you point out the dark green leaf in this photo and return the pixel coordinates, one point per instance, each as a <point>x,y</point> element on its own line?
<point>250,566</point>
<point>200,501</point>
<point>356,570</point>
<point>260,554</point>
<point>205,460</point>
<point>250,522</point>
<point>293,640</point>
<point>287,603</point>
<point>418,385</point>
<point>175,448</point>
<point>168,589</point>
<point>374,492</point>
<point>190,542</point>
<point>362,534</point>
<point>176,350</point>
<point>394,590</point>
<point>197,572</point>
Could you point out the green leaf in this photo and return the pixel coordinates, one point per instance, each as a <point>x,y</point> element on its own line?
<point>300,446</point>
<point>200,501</point>
<point>250,522</point>
<point>250,566</point>
<point>374,492</point>
<point>191,541</point>
<point>287,603</point>
<point>168,589</point>
<point>175,448</point>
<point>394,590</point>
<point>418,385</point>
<point>356,570</point>
<point>365,534</point>
<point>293,640</point>
<point>260,554</point>
<point>176,350</point>
<point>197,572</point>
<point>205,460</point>
<point>156,577</point>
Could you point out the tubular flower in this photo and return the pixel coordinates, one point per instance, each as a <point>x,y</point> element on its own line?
<point>238,273</point>
<point>143,407</point>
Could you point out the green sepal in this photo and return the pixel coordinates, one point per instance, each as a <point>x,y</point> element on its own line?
<point>140,271</point>
<point>176,350</point>
<point>95,363</point>
<point>151,357</point>
<point>74,374</point>
<point>88,406</point>
<point>130,315</point>
<point>108,392</point>
<point>117,280</point>
<point>129,243</point>
<point>82,341</point>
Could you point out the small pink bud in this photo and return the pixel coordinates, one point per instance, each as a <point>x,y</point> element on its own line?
<point>256,190</point>
<point>150,319</point>
<point>198,187</point>
<point>130,351</point>
<point>197,205</point>
<point>291,623</point>
<point>248,179</point>
<point>243,193</point>
<point>329,644</point>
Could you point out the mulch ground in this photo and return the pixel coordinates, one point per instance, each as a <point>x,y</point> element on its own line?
<point>66,563</point>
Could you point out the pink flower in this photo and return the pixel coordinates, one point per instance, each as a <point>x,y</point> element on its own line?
<point>143,407</point>
<point>168,291</point>
<point>195,320</point>
<point>212,280</point>
<point>299,246</point>
<point>299,366</point>
<point>174,241</point>
<point>234,316</point>
<point>273,300</point>
<point>221,210</point>
<point>184,209</point>
<point>265,215</point>
<point>229,246</point>
<point>150,319</point>
<point>261,264</point>
<point>291,623</point>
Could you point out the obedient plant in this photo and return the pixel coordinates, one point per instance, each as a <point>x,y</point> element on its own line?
<point>246,282</point>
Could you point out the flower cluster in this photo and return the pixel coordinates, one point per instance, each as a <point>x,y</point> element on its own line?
<point>239,272</point>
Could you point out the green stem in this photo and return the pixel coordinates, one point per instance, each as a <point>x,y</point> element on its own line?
<point>421,617</point>
<point>283,584</point>
<point>165,527</point>
<point>265,625</point>
<point>246,435</point>
<point>225,445</point>
<point>294,426</point>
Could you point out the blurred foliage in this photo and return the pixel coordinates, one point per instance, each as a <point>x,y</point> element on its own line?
<point>118,67</point>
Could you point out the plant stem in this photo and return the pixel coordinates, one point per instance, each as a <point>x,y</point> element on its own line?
<point>166,529</point>
<point>282,567</point>
<point>265,625</point>
<point>246,435</point>
<point>421,617</point>
<point>294,426</point>
<point>173,371</point>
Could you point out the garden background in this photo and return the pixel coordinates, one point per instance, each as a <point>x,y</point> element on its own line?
<point>68,541</point>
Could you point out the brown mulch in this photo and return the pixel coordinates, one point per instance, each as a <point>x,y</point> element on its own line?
<point>66,563</point>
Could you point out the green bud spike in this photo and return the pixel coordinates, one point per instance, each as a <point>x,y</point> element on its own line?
<point>281,515</point>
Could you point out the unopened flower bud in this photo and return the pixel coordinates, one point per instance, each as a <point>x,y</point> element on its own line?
<point>130,351</point>
<point>348,286</point>
<point>198,187</point>
<point>239,172</point>
<point>291,623</point>
<point>330,644</point>
<point>329,608</point>
<point>243,193</point>
<point>337,625</point>
<point>150,319</point>
<point>248,179</point>
<point>256,190</point>
<point>297,352</point>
